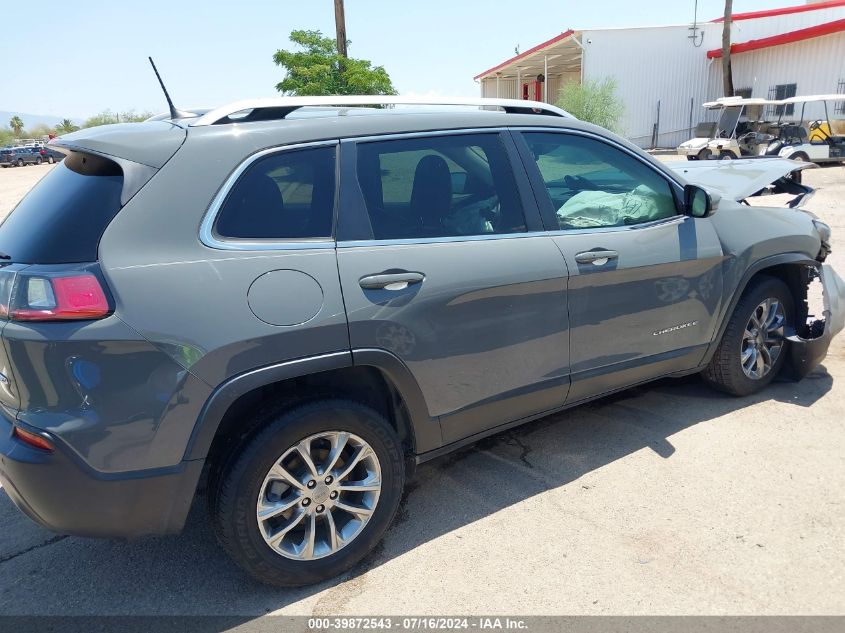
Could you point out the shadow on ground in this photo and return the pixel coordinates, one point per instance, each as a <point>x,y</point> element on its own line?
<point>189,574</point>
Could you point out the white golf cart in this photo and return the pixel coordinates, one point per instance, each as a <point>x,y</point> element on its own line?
<point>825,141</point>
<point>741,130</point>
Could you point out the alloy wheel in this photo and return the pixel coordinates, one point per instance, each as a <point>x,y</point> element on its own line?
<point>319,495</point>
<point>763,338</point>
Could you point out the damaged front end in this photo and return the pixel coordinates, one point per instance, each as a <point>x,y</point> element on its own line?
<point>810,339</point>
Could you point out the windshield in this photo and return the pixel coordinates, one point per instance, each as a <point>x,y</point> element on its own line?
<point>728,120</point>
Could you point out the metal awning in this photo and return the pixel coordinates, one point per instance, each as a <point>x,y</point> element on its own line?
<point>560,54</point>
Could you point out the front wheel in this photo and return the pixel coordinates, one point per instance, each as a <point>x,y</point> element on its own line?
<point>726,155</point>
<point>50,160</point>
<point>753,347</point>
<point>800,157</point>
<point>310,494</point>
<point>704,154</point>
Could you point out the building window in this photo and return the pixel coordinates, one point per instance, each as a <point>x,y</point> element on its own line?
<point>745,93</point>
<point>839,108</point>
<point>778,92</point>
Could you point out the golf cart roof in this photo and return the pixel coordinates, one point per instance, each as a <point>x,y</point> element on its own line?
<point>811,98</point>
<point>724,102</point>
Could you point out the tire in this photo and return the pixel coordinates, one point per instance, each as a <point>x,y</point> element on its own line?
<point>801,157</point>
<point>725,370</point>
<point>20,162</point>
<point>704,154</point>
<point>245,479</point>
<point>50,160</point>
<point>38,161</point>
<point>726,155</point>
<point>689,157</point>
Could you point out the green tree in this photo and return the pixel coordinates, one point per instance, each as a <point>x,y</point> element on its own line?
<point>318,69</point>
<point>106,117</point>
<point>16,124</point>
<point>66,127</point>
<point>130,116</point>
<point>593,101</point>
<point>7,137</point>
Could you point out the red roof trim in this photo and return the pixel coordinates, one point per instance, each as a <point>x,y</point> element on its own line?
<point>784,38</point>
<point>556,38</point>
<point>753,15</point>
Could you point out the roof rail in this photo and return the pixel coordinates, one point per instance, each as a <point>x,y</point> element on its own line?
<point>279,107</point>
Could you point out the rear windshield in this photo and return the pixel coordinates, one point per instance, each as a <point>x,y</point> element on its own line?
<point>62,219</point>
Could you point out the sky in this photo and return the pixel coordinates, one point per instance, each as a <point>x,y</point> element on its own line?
<point>91,55</point>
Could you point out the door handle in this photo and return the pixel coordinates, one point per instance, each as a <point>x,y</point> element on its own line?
<point>597,258</point>
<point>391,280</point>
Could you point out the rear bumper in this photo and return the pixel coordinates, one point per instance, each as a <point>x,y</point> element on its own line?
<point>57,491</point>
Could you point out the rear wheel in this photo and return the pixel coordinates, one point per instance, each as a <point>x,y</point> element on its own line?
<point>801,157</point>
<point>50,160</point>
<point>309,495</point>
<point>704,154</point>
<point>753,347</point>
<point>726,155</point>
<point>20,162</point>
<point>38,161</point>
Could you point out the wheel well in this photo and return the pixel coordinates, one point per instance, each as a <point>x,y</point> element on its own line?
<point>797,278</point>
<point>363,384</point>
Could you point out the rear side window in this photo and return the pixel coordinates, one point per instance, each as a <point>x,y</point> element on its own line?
<point>62,219</point>
<point>288,195</point>
<point>439,186</point>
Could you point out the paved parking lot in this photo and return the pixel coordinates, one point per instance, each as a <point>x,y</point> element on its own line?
<point>665,499</point>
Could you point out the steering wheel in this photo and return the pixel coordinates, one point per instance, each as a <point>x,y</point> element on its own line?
<point>579,183</point>
<point>816,126</point>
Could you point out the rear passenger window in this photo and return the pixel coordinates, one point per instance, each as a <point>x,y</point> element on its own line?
<point>592,184</point>
<point>289,195</point>
<point>439,186</point>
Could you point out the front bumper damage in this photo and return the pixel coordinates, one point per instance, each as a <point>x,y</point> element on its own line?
<point>810,342</point>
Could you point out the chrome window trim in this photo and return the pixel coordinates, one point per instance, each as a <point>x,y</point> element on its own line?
<point>427,133</point>
<point>442,240</point>
<point>206,232</point>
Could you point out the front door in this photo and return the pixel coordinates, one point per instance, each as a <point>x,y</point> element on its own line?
<point>645,281</point>
<point>456,278</point>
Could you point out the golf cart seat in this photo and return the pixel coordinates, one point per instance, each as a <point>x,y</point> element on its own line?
<point>794,134</point>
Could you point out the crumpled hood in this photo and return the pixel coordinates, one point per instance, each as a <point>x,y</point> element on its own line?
<point>736,179</point>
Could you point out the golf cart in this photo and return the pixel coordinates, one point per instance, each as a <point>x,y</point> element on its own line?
<point>822,140</point>
<point>740,131</point>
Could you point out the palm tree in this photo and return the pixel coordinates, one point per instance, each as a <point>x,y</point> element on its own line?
<point>66,127</point>
<point>16,124</point>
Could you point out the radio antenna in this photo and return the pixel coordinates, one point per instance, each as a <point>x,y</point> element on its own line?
<point>175,113</point>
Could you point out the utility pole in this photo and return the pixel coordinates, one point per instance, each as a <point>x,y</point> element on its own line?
<point>340,27</point>
<point>727,74</point>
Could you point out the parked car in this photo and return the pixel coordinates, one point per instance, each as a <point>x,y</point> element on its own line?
<point>19,156</point>
<point>342,294</point>
<point>50,155</point>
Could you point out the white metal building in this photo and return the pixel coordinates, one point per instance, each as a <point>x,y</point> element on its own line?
<point>664,73</point>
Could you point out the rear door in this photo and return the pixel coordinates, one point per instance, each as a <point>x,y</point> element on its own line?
<point>645,281</point>
<point>443,263</point>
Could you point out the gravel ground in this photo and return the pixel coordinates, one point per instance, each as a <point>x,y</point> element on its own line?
<point>665,499</point>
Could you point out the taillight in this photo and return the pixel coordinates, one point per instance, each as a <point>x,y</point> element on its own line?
<point>62,295</point>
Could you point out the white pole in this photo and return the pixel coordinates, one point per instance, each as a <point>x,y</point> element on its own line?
<point>497,86</point>
<point>518,82</point>
<point>546,78</point>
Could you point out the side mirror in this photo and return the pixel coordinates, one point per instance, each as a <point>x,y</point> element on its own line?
<point>698,203</point>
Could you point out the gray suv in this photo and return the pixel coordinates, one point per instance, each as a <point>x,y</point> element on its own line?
<point>296,303</point>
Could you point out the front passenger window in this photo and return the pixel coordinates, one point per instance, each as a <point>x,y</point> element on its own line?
<point>592,184</point>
